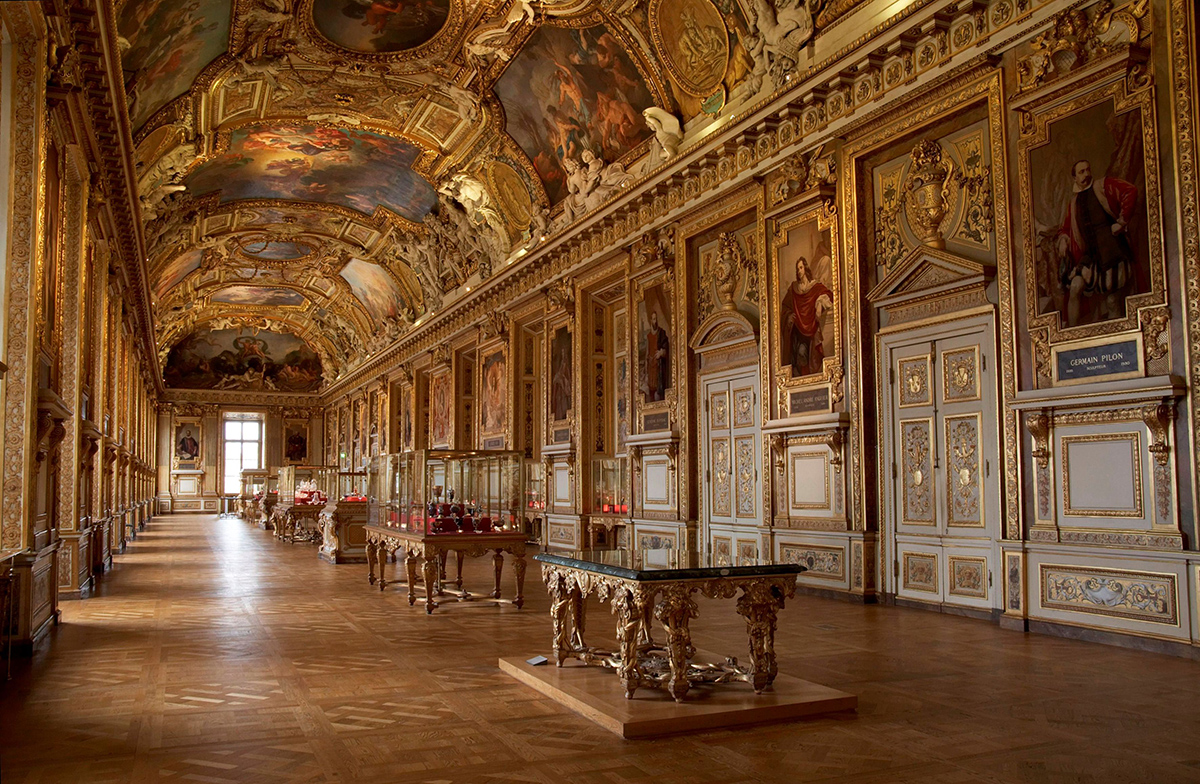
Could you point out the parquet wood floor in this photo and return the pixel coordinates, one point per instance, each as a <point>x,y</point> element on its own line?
<point>213,653</point>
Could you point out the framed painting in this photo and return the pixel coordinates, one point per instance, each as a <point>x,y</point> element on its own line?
<point>654,338</point>
<point>1090,191</point>
<point>493,392</point>
<point>187,443</point>
<point>295,442</point>
<point>806,298</point>
<point>561,376</point>
<point>441,410</point>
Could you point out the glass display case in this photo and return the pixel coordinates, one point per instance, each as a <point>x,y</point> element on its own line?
<point>610,486</point>
<point>535,500</point>
<point>299,486</point>
<point>342,522</point>
<point>254,484</point>
<point>448,491</point>
<point>266,503</point>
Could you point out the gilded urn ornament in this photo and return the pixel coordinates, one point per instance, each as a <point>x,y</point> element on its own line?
<point>928,192</point>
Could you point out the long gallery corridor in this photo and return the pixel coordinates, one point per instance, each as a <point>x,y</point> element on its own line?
<point>215,654</point>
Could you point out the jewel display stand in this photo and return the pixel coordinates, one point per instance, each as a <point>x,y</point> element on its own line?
<point>343,521</point>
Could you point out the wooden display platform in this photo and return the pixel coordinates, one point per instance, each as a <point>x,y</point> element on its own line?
<point>596,694</point>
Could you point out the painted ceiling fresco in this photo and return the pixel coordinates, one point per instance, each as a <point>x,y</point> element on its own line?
<point>170,42</point>
<point>356,164</point>
<point>259,295</point>
<point>373,287</point>
<point>570,91</point>
<point>356,169</point>
<point>276,250</point>
<point>239,359</point>
<point>379,26</point>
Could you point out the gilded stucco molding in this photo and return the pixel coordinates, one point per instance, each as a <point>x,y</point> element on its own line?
<point>25,208</point>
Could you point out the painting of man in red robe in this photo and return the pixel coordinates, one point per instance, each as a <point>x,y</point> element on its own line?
<point>805,308</point>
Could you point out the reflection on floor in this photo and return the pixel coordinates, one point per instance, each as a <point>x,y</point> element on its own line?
<point>215,654</point>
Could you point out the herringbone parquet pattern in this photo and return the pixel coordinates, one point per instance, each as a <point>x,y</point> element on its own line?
<point>214,653</point>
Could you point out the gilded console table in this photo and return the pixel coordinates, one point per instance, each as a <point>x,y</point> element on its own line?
<point>659,584</point>
<point>431,549</point>
<point>298,522</point>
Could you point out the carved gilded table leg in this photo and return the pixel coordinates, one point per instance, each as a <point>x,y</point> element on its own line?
<point>441,575</point>
<point>459,558</point>
<point>759,604</point>
<point>675,610</point>
<point>519,571</point>
<point>372,547</point>
<point>498,563</point>
<point>430,570</point>
<point>410,565</point>
<point>383,559</point>
<point>625,607</point>
<point>560,598</point>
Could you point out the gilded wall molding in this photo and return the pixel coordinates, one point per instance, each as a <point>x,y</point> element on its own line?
<point>25,208</point>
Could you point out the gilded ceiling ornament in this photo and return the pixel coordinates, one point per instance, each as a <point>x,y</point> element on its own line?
<point>779,29</point>
<point>1076,37</point>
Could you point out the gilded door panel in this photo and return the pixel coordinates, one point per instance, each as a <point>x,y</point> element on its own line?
<point>916,472</point>
<point>743,407</point>
<point>964,474</point>
<point>920,573</point>
<point>747,490</point>
<point>718,409</point>
<point>915,389</point>
<point>960,375</point>
<point>722,503</point>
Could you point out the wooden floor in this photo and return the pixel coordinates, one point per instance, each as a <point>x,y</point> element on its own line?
<point>214,654</point>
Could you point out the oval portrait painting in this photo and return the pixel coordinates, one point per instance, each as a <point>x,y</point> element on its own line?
<point>380,26</point>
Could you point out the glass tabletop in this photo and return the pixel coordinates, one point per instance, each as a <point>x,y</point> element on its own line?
<point>649,564</point>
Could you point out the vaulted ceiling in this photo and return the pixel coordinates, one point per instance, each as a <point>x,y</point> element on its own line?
<point>331,171</point>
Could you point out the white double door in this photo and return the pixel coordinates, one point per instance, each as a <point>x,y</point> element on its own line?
<point>940,463</point>
<point>730,464</point>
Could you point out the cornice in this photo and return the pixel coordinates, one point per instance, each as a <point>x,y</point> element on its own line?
<point>94,38</point>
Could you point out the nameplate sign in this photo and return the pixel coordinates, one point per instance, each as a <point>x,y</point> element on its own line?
<point>808,401</point>
<point>652,423</point>
<point>1108,361</point>
<point>493,443</point>
<point>562,435</point>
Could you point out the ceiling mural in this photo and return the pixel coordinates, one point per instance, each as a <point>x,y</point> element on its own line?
<point>243,359</point>
<point>571,92</point>
<point>259,295</point>
<point>336,170</point>
<point>373,287</point>
<point>275,250</point>
<point>356,169</point>
<point>379,26</point>
<point>169,44</point>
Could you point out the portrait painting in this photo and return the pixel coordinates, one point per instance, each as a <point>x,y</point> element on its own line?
<point>1088,187</point>
<point>295,442</point>
<point>622,401</point>
<point>654,343</point>
<point>170,43</point>
<point>441,409</point>
<point>176,271</point>
<point>276,250</point>
<point>259,295</point>
<point>374,287</point>
<point>379,26</point>
<point>187,441</point>
<point>807,315</point>
<point>343,166</point>
<point>560,374</point>
<point>569,91</point>
<point>406,420</point>
<point>243,359</point>
<point>493,405</point>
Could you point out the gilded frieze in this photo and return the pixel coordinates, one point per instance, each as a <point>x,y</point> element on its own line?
<point>1147,597</point>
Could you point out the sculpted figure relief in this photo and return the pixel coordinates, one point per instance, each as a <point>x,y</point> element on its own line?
<point>779,29</point>
<point>668,133</point>
<point>590,184</point>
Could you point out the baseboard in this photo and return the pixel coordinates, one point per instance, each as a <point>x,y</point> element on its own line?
<point>1181,649</point>
<point>831,593</point>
